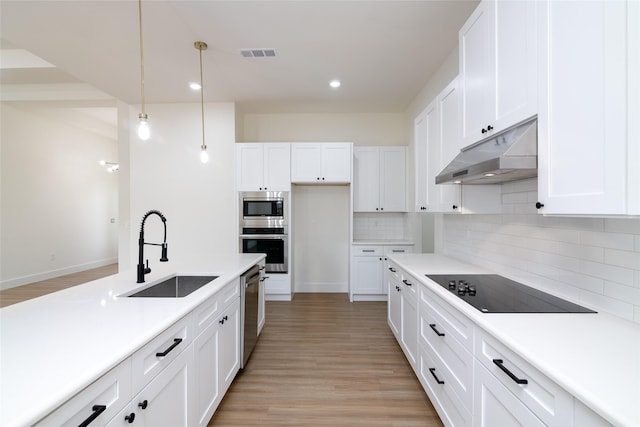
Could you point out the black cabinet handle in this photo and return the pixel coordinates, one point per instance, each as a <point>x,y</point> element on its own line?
<point>489,128</point>
<point>392,270</point>
<point>433,372</point>
<point>405,282</point>
<point>176,341</point>
<point>397,288</point>
<point>323,178</point>
<point>484,130</point>
<point>143,404</point>
<point>381,209</point>
<point>499,364</point>
<point>433,326</point>
<point>97,410</point>
<point>539,205</point>
<point>454,207</point>
<point>130,418</point>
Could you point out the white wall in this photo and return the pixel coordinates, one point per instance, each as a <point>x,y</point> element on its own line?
<point>361,129</point>
<point>595,261</point>
<point>198,200</point>
<point>320,229</point>
<point>57,201</point>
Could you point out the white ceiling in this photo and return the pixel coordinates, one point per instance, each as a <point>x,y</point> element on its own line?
<point>383,51</point>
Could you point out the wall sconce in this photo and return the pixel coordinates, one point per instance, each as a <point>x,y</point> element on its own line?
<point>111,166</point>
<point>143,127</point>
<point>204,156</point>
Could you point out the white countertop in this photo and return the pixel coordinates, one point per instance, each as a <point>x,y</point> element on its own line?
<point>595,357</point>
<point>53,346</point>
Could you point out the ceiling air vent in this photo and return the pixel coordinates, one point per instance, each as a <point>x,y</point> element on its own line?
<point>258,53</point>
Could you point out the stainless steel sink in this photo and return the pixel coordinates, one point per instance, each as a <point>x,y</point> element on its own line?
<point>175,287</point>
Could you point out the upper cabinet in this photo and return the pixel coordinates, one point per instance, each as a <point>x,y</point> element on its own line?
<point>379,179</point>
<point>321,163</point>
<point>589,96</point>
<point>263,166</point>
<point>498,83</point>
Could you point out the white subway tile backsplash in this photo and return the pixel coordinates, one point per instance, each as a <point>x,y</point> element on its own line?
<point>595,261</point>
<point>381,226</point>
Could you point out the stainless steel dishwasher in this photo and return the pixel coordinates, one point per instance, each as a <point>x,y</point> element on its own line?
<point>249,294</point>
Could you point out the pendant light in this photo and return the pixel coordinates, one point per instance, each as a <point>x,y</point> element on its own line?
<point>204,156</point>
<point>143,127</point>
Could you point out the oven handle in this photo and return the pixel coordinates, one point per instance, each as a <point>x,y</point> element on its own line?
<point>264,236</point>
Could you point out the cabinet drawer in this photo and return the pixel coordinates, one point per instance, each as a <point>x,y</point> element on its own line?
<point>437,385</point>
<point>410,284</point>
<point>367,250</point>
<point>206,314</point>
<point>395,273</point>
<point>447,319</point>
<point>100,401</point>
<point>398,250</point>
<point>455,362</point>
<point>548,401</point>
<point>159,352</point>
<point>230,292</point>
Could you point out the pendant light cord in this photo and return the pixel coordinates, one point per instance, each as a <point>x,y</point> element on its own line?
<point>204,146</point>
<point>141,56</point>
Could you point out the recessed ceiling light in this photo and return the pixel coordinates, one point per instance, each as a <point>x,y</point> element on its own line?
<point>195,86</point>
<point>457,182</point>
<point>489,174</point>
<point>334,83</point>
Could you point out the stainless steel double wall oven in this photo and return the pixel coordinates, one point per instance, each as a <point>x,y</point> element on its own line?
<point>264,225</point>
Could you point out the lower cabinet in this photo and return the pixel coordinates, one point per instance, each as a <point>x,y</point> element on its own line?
<point>166,400</point>
<point>277,286</point>
<point>471,378</point>
<point>368,270</point>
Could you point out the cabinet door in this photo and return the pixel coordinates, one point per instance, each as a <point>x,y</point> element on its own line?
<point>497,406</point>
<point>393,179</point>
<point>277,167</point>
<point>229,356</point>
<point>306,163</point>
<point>249,166</point>
<point>514,79</point>
<point>424,166</point>
<point>261,298</point>
<point>409,326</point>
<point>166,401</point>
<point>206,389</point>
<point>446,197</point>
<point>336,162</point>
<point>367,272</point>
<point>366,179</point>
<point>394,306</point>
<point>586,95</point>
<point>476,69</point>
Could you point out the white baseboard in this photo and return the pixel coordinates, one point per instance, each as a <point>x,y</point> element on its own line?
<point>358,297</point>
<point>19,281</point>
<point>277,297</point>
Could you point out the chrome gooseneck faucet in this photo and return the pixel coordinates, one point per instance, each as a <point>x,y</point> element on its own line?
<point>142,269</point>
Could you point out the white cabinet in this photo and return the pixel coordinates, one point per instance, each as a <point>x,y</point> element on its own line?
<point>321,163</point>
<point>379,181</point>
<point>277,286</point>
<point>368,270</point>
<point>393,277</point>
<point>263,166</point>
<point>207,393</point>
<point>409,319</point>
<point>589,95</point>
<point>96,404</point>
<point>497,48</point>
<point>165,401</point>
<point>229,356</point>
<point>261,298</point>
<point>437,136</point>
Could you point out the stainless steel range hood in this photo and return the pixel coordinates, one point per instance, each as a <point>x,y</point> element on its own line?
<point>508,156</point>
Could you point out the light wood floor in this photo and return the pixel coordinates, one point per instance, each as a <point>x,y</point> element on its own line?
<point>322,361</point>
<point>33,290</point>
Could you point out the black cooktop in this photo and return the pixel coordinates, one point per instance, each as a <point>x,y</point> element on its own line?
<point>491,293</point>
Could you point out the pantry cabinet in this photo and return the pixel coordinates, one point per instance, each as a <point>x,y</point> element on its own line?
<point>497,48</point>
<point>379,181</point>
<point>263,166</point>
<point>321,163</point>
<point>589,95</point>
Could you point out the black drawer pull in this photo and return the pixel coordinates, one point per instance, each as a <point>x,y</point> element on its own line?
<point>406,283</point>
<point>433,372</point>
<point>392,270</point>
<point>499,364</point>
<point>433,326</point>
<point>97,410</point>
<point>176,341</point>
<point>143,404</point>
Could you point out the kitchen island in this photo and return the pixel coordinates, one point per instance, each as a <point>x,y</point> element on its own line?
<point>55,346</point>
<point>592,361</point>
